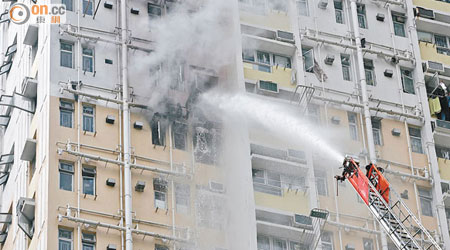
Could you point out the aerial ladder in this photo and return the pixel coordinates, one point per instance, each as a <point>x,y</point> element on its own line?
<point>399,223</point>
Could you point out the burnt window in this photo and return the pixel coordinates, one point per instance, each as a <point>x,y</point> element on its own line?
<point>179,135</point>
<point>158,130</point>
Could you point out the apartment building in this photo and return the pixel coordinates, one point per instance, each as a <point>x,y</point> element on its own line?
<point>432,29</point>
<point>104,147</point>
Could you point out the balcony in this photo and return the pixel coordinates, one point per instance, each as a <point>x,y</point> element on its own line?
<point>429,52</point>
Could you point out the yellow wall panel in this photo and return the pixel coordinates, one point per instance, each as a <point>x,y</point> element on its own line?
<point>290,201</point>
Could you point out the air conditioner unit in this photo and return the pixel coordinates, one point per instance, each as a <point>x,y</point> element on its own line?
<point>285,36</point>
<point>425,13</point>
<point>323,4</point>
<point>216,187</point>
<point>431,66</point>
<point>138,125</point>
<point>303,221</point>
<point>329,60</point>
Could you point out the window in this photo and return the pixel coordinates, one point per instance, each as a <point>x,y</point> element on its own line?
<point>269,86</point>
<point>160,188</point>
<point>339,11</point>
<point>313,113</point>
<point>88,60</point>
<point>415,139</point>
<point>64,239</point>
<point>88,7</point>
<point>425,36</point>
<point>68,4</point>
<point>266,182</point>
<point>158,130</point>
<point>407,81</point>
<point>182,198</point>
<point>443,152</point>
<point>399,24</point>
<point>160,247</point>
<point>308,59</point>
<point>352,125</point>
<point>362,20</point>
<point>248,55</point>
<point>66,176</point>
<point>279,244</point>
<point>5,68</point>
<point>368,244</point>
<point>179,135</point>
<point>65,113</point>
<point>346,70</point>
<point>12,49</point>
<point>263,58</point>
<point>88,118</point>
<point>370,73</point>
<point>88,241</point>
<point>327,241</point>
<point>302,7</point>
<point>426,201</point>
<point>321,182</point>
<point>282,61</point>
<point>154,10</point>
<point>66,54</point>
<point>441,44</point>
<point>88,180</point>
<point>263,242</point>
<point>376,131</point>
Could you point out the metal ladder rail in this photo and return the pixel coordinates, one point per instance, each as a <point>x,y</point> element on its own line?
<point>422,228</point>
<point>380,198</point>
<point>393,227</point>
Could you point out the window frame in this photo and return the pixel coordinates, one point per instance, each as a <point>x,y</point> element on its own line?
<point>67,240</point>
<point>185,191</point>
<point>428,198</point>
<point>264,182</point>
<point>417,138</point>
<point>163,184</point>
<point>157,123</point>
<point>306,59</point>
<point>339,11</point>
<point>66,110</point>
<point>71,52</point>
<point>347,66</point>
<point>327,244</point>
<point>369,68</point>
<point>320,178</point>
<point>67,172</point>
<point>90,116</point>
<point>180,129</point>
<point>89,57</point>
<point>404,75</point>
<point>377,131</point>
<point>362,16</point>
<point>88,11</point>
<point>305,5</point>
<point>353,126</point>
<point>68,7</point>
<point>368,241</point>
<point>396,23</point>
<point>89,173</point>
<point>88,242</point>
<point>8,65</point>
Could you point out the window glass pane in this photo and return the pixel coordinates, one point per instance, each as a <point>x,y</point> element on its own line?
<point>376,136</point>
<point>408,84</point>
<point>263,243</point>
<point>273,179</point>
<point>248,55</point>
<point>88,64</point>
<point>369,77</point>
<point>64,245</point>
<point>362,21</point>
<point>279,244</point>
<point>425,36</point>
<point>308,59</point>
<point>69,4</point>
<point>88,246</point>
<point>88,7</point>
<point>66,46</point>
<point>282,61</point>
<point>66,59</point>
<point>440,41</point>
<point>399,29</point>
<point>65,118</point>
<point>88,123</point>
<point>263,57</point>
<point>65,181</point>
<point>302,6</point>
<point>258,175</point>
<point>88,185</point>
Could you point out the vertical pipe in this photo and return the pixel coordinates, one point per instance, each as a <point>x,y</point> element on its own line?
<point>363,84</point>
<point>173,182</point>
<point>126,128</point>
<point>79,166</point>
<point>365,99</point>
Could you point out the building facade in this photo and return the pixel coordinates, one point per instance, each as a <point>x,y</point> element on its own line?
<point>106,142</point>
